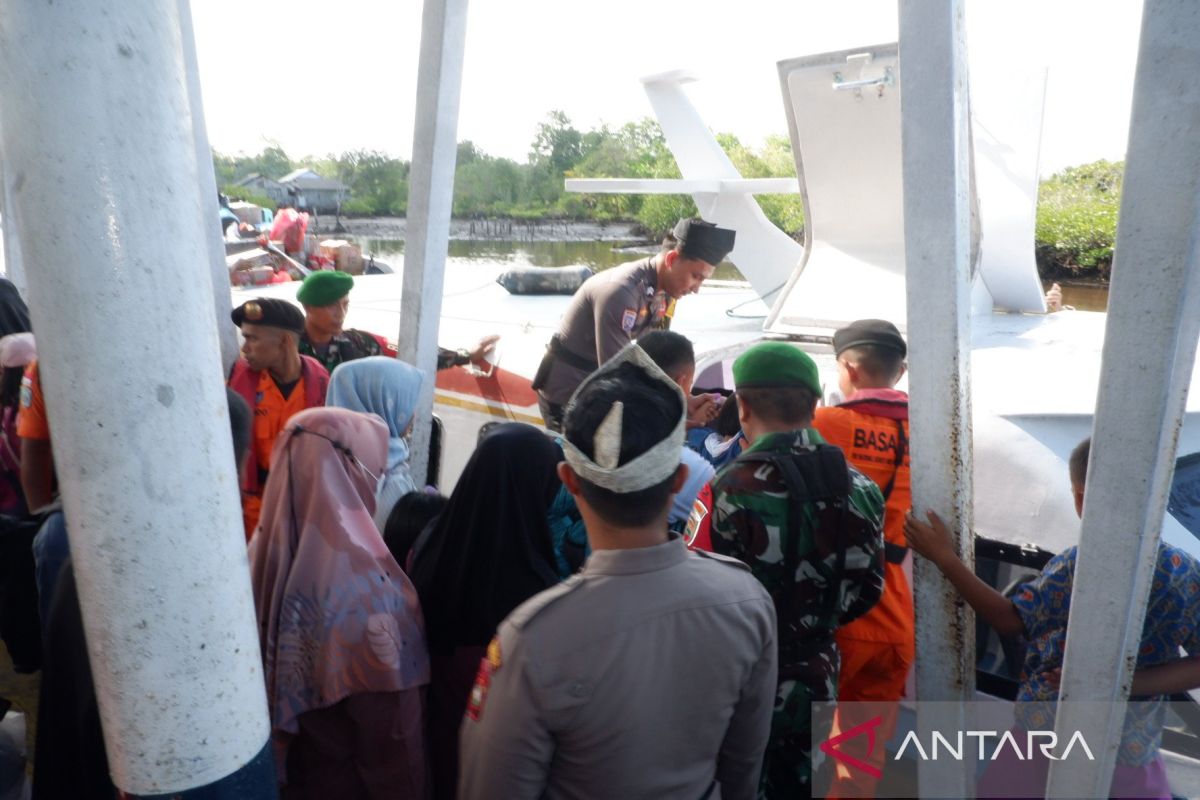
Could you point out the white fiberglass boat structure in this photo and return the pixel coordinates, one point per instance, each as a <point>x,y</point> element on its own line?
<point>1034,375</point>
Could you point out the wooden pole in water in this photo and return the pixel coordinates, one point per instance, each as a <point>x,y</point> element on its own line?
<point>430,200</point>
<point>1149,351</point>
<point>937,234</point>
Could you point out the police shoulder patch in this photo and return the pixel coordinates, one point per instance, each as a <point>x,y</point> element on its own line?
<point>695,520</point>
<point>488,666</point>
<point>629,320</point>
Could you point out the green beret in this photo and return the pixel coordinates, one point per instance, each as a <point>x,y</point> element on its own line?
<point>270,312</point>
<point>775,365</point>
<point>325,288</point>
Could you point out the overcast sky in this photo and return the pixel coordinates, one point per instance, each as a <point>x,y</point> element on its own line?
<point>320,77</point>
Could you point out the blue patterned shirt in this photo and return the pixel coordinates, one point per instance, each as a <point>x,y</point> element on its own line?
<point>1172,621</point>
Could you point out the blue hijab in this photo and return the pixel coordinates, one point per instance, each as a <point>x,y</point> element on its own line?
<point>389,389</point>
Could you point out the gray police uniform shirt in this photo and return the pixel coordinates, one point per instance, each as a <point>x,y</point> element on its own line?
<point>610,310</point>
<point>650,674</point>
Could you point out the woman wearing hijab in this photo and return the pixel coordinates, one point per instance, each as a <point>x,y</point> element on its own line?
<point>389,389</point>
<point>340,625</point>
<point>485,554</point>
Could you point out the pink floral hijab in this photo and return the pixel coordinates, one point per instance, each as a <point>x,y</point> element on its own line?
<point>336,614</point>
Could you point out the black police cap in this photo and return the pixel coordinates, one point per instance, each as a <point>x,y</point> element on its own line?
<point>703,240</point>
<point>877,332</point>
<point>271,312</point>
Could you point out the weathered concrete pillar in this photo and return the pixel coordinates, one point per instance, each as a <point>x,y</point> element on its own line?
<point>1149,352</point>
<point>937,246</point>
<point>430,199</point>
<point>208,186</point>
<point>14,266</point>
<point>115,230</point>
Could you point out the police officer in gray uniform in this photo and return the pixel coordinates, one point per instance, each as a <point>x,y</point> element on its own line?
<point>650,674</point>
<point>616,306</point>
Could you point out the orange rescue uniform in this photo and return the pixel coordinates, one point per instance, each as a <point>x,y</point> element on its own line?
<point>31,420</point>
<point>271,414</point>
<point>877,649</point>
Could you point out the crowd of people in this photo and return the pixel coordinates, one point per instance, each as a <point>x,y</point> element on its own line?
<point>645,601</point>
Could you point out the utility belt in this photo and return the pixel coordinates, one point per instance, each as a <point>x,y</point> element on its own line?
<point>894,553</point>
<point>556,351</point>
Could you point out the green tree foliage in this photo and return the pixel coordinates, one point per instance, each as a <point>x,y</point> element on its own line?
<point>1077,220</point>
<point>247,195</point>
<point>377,181</point>
<point>272,162</point>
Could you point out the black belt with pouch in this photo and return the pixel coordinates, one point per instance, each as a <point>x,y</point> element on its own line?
<point>555,351</point>
<point>894,553</point>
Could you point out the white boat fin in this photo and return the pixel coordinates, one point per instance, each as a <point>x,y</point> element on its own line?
<point>762,252</point>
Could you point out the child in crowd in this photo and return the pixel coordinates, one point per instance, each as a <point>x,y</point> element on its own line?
<point>408,517</point>
<point>1038,611</point>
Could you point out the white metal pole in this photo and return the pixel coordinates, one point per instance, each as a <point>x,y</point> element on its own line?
<point>222,301</point>
<point>14,266</point>
<point>430,199</point>
<point>1149,350</point>
<point>937,231</point>
<point>97,123</point>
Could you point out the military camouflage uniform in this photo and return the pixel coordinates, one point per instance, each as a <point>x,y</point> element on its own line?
<point>353,344</point>
<point>750,522</point>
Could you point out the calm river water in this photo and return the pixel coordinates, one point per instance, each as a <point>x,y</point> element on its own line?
<point>600,255</point>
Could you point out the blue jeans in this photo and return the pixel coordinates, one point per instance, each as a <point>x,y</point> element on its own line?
<point>50,551</point>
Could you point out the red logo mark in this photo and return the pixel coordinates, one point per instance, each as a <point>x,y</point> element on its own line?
<point>830,746</point>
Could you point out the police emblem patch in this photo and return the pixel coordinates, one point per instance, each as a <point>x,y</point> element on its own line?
<point>695,519</point>
<point>488,665</point>
<point>629,320</point>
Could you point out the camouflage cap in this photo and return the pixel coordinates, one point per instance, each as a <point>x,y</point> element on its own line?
<point>772,365</point>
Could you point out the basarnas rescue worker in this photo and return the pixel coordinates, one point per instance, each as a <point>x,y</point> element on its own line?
<point>325,296</point>
<point>1038,611</point>
<point>811,528</point>
<point>651,674</point>
<point>276,381</point>
<point>871,428</point>
<point>618,305</point>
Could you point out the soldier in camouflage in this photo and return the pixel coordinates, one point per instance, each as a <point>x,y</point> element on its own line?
<point>325,296</point>
<point>819,555</point>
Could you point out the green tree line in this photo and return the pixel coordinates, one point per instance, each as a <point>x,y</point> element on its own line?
<point>1076,220</point>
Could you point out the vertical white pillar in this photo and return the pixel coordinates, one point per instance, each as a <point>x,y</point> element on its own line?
<point>222,301</point>
<point>937,231</point>
<point>430,198</point>
<point>14,266</point>
<point>1149,350</point>
<point>98,129</point>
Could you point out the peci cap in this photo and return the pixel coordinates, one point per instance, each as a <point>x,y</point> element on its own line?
<point>270,312</point>
<point>703,240</point>
<point>876,332</point>
<point>325,288</point>
<point>776,365</point>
